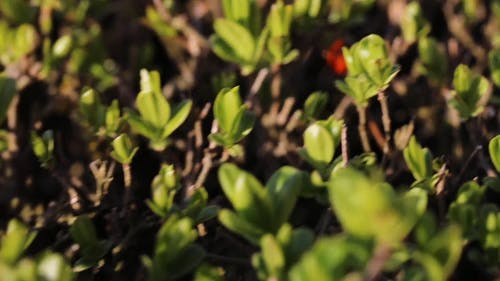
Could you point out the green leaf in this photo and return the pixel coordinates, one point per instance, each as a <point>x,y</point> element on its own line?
<point>242,124</point>
<point>7,93</point>
<point>179,114</point>
<point>236,37</point>
<point>209,273</point>
<point>371,209</point>
<point>150,81</point>
<point>186,261</point>
<point>53,267</point>
<point>174,252</point>
<point>315,104</point>
<point>246,194</point>
<point>418,160</point>
<point>331,259</point>
<point>15,241</point>
<point>112,118</point>
<point>235,223</point>
<point>174,236</point>
<point>83,232</point>
<point>141,126</point>
<point>446,247</point>
<point>123,151</point>
<point>154,109</point>
<point>300,241</point>
<point>62,46</point>
<point>164,187</point>
<point>494,65</point>
<point>433,58</point>
<point>92,108</point>
<point>43,146</point>
<point>413,24</point>
<point>17,11</point>
<point>272,254</point>
<point>226,107</point>
<point>469,88</point>
<point>283,189</point>
<point>494,150</point>
<point>319,145</point>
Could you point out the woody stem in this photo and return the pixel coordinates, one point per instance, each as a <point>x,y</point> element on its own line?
<point>362,128</point>
<point>386,120</point>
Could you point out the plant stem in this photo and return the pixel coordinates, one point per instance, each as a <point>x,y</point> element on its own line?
<point>362,128</point>
<point>344,147</point>
<point>127,181</point>
<point>275,93</point>
<point>386,121</point>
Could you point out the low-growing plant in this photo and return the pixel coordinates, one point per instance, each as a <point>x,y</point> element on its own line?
<point>370,208</point>
<point>163,191</point>
<point>43,147</point>
<point>469,88</point>
<point>13,266</point>
<point>104,120</point>
<point>233,117</point>
<point>258,209</point>
<point>279,253</point>
<point>321,139</point>
<point>91,248</point>
<point>433,62</point>
<point>175,253</point>
<point>369,72</point>
<point>157,119</point>
<point>413,24</point>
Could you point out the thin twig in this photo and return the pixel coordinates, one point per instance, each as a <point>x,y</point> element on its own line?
<point>251,100</point>
<point>386,121</point>
<point>342,107</point>
<point>344,146</point>
<point>362,128</point>
<point>285,111</point>
<point>467,163</point>
<point>275,94</point>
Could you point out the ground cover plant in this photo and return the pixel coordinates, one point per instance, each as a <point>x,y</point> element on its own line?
<point>249,140</point>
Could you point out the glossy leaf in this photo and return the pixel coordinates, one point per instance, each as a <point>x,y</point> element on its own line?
<point>154,108</point>
<point>319,145</point>
<point>150,81</point>
<point>283,189</point>
<point>226,107</point>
